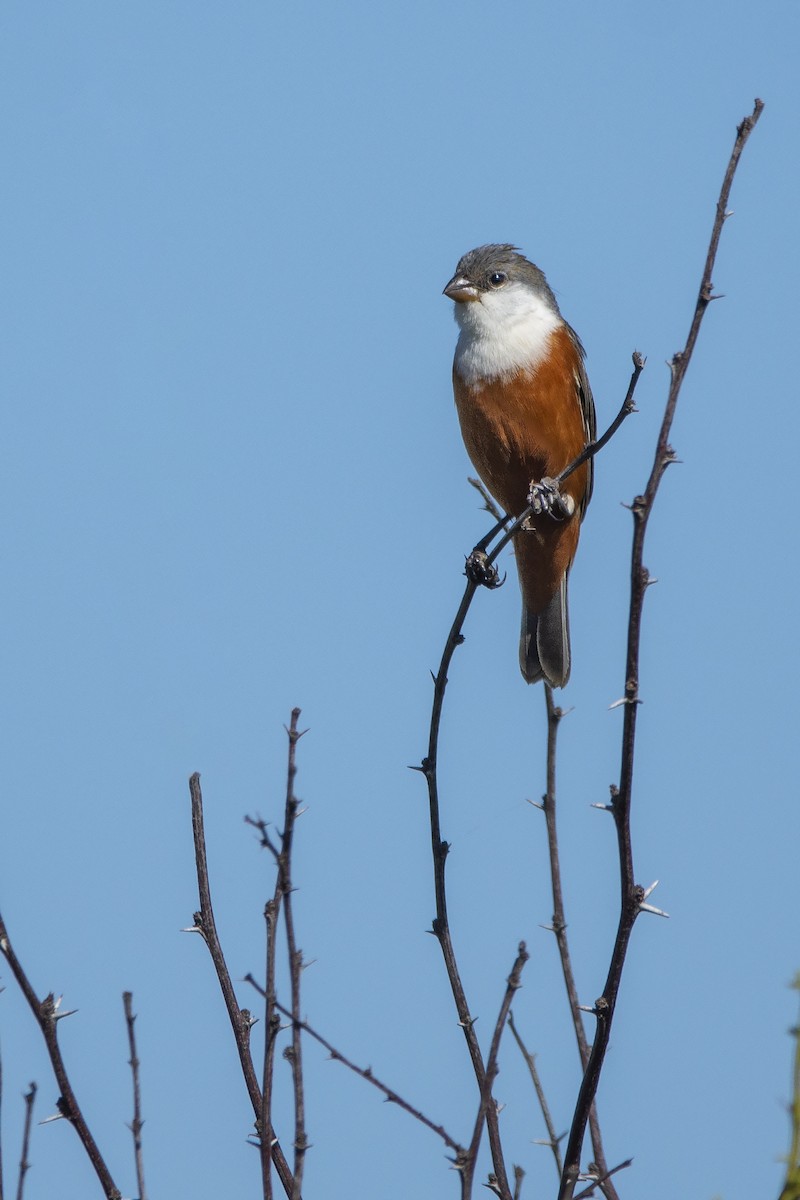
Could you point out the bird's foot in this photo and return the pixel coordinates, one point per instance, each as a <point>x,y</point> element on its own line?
<point>481,571</point>
<point>546,497</point>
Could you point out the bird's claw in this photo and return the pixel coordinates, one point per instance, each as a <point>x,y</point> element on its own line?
<point>480,570</point>
<point>546,497</point>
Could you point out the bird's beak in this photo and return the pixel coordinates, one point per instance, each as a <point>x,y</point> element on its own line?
<point>460,289</point>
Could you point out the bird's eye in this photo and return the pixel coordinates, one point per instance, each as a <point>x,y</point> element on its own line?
<point>497,279</point>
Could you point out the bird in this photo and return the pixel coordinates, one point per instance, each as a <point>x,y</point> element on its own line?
<point>526,411</point>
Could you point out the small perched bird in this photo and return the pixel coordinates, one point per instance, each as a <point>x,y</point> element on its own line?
<point>526,411</point>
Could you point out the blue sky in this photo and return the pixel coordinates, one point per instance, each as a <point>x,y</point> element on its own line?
<point>232,482</point>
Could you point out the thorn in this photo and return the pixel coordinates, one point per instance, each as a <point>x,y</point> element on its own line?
<point>625,700</point>
<point>657,912</point>
<point>55,1117</point>
<point>603,807</point>
<point>588,1008</point>
<point>414,767</point>
<point>69,1013</point>
<point>468,1024</point>
<point>190,929</point>
<point>537,804</point>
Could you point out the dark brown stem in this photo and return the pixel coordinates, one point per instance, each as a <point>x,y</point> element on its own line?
<point>294,1054</point>
<point>366,1073</point>
<point>441,927</point>
<point>632,895</point>
<point>240,1019</point>
<point>272,1023</point>
<point>486,1099</point>
<point>137,1122</point>
<point>24,1164</point>
<point>553,1139</point>
<point>282,899</point>
<point>554,717</point>
<point>47,1017</point>
<point>2,1192</point>
<point>602,1179</point>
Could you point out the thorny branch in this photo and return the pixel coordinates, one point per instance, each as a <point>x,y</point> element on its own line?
<point>24,1164</point>
<point>486,1098</point>
<point>47,1017</point>
<point>240,1018</point>
<point>553,1138</point>
<point>282,897</point>
<point>367,1074</point>
<point>481,570</point>
<point>633,896</point>
<point>137,1122</point>
<point>559,927</point>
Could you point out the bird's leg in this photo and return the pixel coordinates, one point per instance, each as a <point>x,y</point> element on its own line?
<point>546,497</point>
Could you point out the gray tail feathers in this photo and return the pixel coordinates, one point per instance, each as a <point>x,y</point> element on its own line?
<point>544,641</point>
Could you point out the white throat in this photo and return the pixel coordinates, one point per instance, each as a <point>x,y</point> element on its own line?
<point>503,332</point>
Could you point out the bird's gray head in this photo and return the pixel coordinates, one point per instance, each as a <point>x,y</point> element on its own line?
<point>490,269</point>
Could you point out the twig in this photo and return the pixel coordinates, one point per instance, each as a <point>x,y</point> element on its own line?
<point>240,1019</point>
<point>47,1017</point>
<point>632,895</point>
<point>791,1188</point>
<point>602,1179</point>
<point>488,503</point>
<point>283,897</point>
<point>137,1122</point>
<point>486,1099</point>
<point>366,1073</point>
<point>553,1139</point>
<point>554,717</point>
<point>480,570</point>
<point>272,1024</point>
<point>1,1124</point>
<point>24,1164</point>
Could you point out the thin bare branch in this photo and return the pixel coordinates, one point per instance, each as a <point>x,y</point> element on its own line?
<point>24,1162</point>
<point>366,1073</point>
<point>553,1140</point>
<point>295,1053</point>
<point>272,1023</point>
<point>2,1191</point>
<point>480,572</point>
<point>486,1099</point>
<point>549,806</point>
<point>791,1187</point>
<point>282,901</point>
<point>47,1017</point>
<point>137,1122</point>
<point>240,1019</point>
<point>602,1179</point>
<point>632,895</point>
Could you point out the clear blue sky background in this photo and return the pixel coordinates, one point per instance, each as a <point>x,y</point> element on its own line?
<point>232,481</point>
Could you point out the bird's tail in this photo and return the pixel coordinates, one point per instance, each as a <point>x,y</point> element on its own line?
<point>544,641</point>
